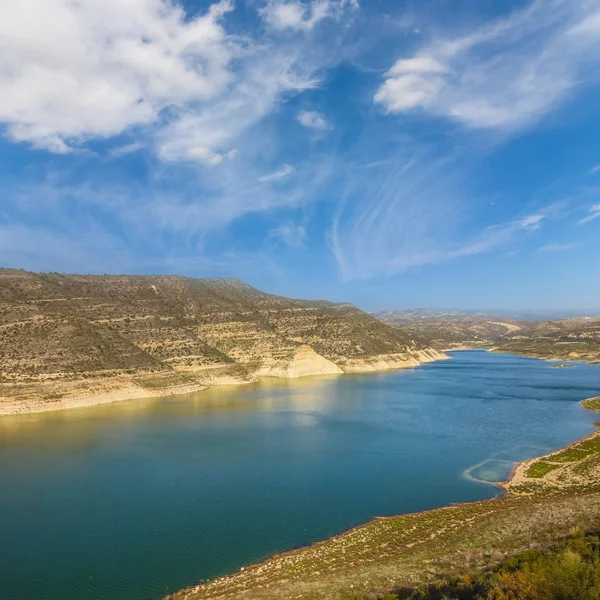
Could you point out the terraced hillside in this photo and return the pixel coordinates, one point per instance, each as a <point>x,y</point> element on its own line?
<point>68,340</point>
<point>446,330</point>
<point>567,339</point>
<point>574,339</point>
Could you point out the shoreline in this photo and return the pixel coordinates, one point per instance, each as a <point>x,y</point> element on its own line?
<point>548,506</point>
<point>103,393</point>
<point>98,399</point>
<point>560,462</point>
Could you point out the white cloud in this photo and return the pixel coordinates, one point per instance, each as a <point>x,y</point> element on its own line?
<point>207,156</point>
<point>302,16</point>
<point>282,173</point>
<point>207,134</point>
<point>71,71</point>
<point>75,71</point>
<point>531,222</point>
<point>313,120</point>
<point>594,213</point>
<point>594,170</point>
<point>291,235</point>
<point>503,75</point>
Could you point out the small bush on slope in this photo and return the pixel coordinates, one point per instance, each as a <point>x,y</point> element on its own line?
<point>568,572</point>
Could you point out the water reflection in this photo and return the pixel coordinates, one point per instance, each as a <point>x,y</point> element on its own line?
<point>80,426</point>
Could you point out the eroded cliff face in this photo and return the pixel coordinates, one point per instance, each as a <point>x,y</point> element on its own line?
<point>73,339</point>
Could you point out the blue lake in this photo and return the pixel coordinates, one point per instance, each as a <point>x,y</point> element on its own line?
<point>135,500</point>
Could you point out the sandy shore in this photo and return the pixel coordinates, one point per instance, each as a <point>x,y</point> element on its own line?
<point>10,406</point>
<point>575,465</point>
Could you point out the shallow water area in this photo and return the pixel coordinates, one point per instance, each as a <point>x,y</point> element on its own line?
<point>138,499</point>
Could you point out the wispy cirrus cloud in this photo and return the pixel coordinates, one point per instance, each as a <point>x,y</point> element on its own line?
<point>559,247</point>
<point>415,209</point>
<point>531,222</point>
<point>126,149</point>
<point>505,74</point>
<point>593,213</point>
<point>72,72</point>
<point>418,211</point>
<point>282,173</point>
<point>211,133</point>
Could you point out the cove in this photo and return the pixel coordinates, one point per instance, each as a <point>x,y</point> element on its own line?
<point>135,500</point>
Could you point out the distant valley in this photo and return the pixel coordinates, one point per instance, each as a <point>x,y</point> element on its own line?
<point>576,338</point>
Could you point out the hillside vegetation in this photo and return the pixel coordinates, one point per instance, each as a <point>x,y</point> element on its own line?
<point>64,337</point>
<point>569,570</point>
<point>575,339</point>
<point>447,330</point>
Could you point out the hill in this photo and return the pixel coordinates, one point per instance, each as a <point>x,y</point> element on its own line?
<point>68,340</point>
<point>572,339</point>
<point>576,339</point>
<point>455,329</point>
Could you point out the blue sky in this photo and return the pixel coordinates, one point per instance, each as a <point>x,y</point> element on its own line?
<point>392,154</point>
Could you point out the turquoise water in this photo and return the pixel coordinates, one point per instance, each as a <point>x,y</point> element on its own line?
<point>135,500</point>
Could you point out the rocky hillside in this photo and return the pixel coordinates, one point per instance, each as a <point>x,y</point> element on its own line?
<point>454,329</point>
<point>567,339</point>
<point>72,339</point>
<point>573,339</point>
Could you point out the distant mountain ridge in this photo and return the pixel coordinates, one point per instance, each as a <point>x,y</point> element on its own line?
<point>571,339</point>
<point>72,339</point>
<point>453,329</point>
<point>577,339</point>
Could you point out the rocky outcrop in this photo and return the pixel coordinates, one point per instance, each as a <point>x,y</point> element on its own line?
<point>75,339</point>
<point>304,362</point>
<point>391,361</point>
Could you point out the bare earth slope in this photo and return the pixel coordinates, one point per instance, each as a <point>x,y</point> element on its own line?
<point>70,340</point>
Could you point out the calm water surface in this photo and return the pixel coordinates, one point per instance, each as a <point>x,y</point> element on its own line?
<point>135,500</point>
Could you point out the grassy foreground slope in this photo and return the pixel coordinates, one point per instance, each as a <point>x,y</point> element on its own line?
<point>409,551</point>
